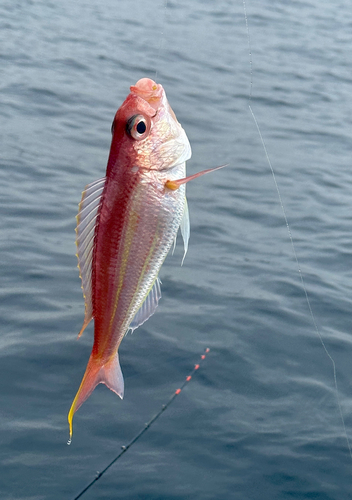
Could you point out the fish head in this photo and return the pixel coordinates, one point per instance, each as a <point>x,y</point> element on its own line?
<point>146,133</point>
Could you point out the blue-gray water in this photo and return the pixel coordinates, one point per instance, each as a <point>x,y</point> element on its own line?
<point>260,419</point>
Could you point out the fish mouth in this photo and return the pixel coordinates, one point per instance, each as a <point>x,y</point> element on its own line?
<point>148,90</point>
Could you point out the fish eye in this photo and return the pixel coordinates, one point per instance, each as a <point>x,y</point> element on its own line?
<point>137,127</point>
<point>141,127</point>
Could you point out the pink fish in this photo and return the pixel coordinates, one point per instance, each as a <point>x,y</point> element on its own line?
<point>126,224</point>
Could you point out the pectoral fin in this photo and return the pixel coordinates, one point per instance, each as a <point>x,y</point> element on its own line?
<point>185,229</point>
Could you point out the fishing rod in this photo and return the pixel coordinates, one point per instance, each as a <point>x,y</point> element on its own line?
<point>146,427</point>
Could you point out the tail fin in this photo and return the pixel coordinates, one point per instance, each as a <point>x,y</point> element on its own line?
<point>109,374</point>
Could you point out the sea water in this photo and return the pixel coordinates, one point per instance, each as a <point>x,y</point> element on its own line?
<point>260,419</point>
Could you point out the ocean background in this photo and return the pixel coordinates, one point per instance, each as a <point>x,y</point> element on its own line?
<point>260,419</point>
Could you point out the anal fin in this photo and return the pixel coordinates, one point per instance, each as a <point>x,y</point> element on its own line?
<point>148,307</point>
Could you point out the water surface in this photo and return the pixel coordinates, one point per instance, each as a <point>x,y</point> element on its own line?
<point>260,420</point>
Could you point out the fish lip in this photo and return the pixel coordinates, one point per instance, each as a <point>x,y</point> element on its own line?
<point>151,92</point>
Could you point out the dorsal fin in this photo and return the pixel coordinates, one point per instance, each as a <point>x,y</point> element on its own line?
<point>148,307</point>
<point>85,232</point>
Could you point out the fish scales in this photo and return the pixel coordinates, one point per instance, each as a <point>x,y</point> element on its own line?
<point>139,240</point>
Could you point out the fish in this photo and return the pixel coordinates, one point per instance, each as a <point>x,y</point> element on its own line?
<point>126,224</point>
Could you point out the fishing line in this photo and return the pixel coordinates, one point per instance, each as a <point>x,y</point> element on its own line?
<point>161,40</point>
<point>312,315</point>
<point>250,53</point>
<point>146,427</point>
